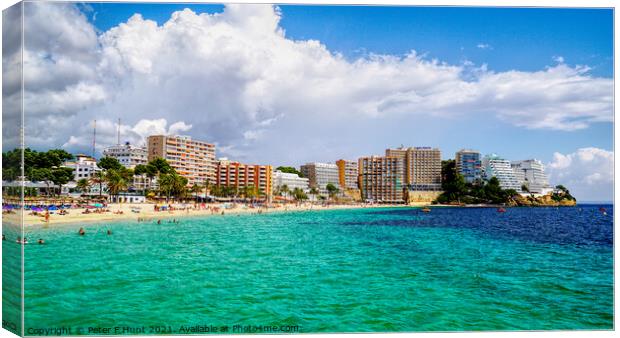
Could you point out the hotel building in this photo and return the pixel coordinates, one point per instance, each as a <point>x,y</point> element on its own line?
<point>381,179</point>
<point>127,155</point>
<point>192,159</point>
<point>531,173</point>
<point>239,175</point>
<point>348,174</point>
<point>495,166</point>
<point>85,167</point>
<point>469,164</point>
<point>422,167</point>
<point>321,174</point>
<point>291,180</point>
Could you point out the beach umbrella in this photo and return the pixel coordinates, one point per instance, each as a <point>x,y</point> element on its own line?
<point>7,207</point>
<point>53,207</point>
<point>98,205</point>
<point>89,207</point>
<point>37,209</point>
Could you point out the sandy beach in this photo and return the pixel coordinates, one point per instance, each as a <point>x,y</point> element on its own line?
<point>147,212</point>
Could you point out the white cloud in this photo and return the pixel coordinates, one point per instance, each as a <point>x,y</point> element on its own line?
<point>484,46</point>
<point>587,172</point>
<point>234,77</point>
<point>558,59</point>
<point>107,132</point>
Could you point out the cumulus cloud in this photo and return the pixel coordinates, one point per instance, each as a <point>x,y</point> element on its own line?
<point>107,132</point>
<point>237,80</point>
<point>587,172</point>
<point>484,46</point>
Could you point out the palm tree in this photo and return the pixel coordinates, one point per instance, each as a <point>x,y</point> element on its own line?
<point>284,190</point>
<point>117,182</point>
<point>99,177</point>
<point>83,185</point>
<point>314,191</point>
<point>166,184</point>
<point>195,189</point>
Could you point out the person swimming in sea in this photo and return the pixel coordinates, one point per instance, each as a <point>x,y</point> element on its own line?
<point>109,232</point>
<point>81,232</point>
<point>41,241</point>
<point>3,237</point>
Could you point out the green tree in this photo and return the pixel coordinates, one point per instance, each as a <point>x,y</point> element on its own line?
<point>314,191</point>
<point>284,190</point>
<point>118,181</point>
<point>160,165</point>
<point>332,190</point>
<point>562,193</point>
<point>195,189</point>
<point>109,163</point>
<point>83,185</point>
<point>290,170</point>
<point>299,194</point>
<point>61,176</point>
<point>98,178</point>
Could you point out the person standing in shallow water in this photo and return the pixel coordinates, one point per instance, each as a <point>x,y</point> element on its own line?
<point>109,232</point>
<point>81,232</point>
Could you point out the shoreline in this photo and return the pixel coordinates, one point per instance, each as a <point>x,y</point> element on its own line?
<point>77,216</point>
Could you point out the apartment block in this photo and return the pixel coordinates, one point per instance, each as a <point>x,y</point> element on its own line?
<point>127,155</point>
<point>84,167</point>
<point>192,159</point>
<point>531,173</point>
<point>469,164</point>
<point>291,181</point>
<point>348,174</point>
<point>321,174</point>
<point>422,167</point>
<point>239,175</point>
<point>381,179</point>
<point>496,166</point>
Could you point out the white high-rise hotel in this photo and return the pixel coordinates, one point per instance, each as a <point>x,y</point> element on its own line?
<point>128,155</point>
<point>495,166</point>
<point>531,173</point>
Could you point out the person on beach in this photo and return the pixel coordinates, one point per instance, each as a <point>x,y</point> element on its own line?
<point>81,232</point>
<point>47,216</point>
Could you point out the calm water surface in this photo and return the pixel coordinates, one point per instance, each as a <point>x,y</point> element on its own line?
<point>331,271</point>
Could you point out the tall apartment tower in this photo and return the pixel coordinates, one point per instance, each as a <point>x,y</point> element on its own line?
<point>422,167</point>
<point>239,175</point>
<point>469,164</point>
<point>192,159</point>
<point>321,174</point>
<point>381,179</point>
<point>495,166</point>
<point>531,173</point>
<point>348,174</point>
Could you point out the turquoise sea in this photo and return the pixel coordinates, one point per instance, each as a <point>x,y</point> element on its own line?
<point>364,270</point>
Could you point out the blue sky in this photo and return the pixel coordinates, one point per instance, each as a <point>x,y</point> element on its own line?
<point>525,39</point>
<point>517,38</point>
<point>341,83</point>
